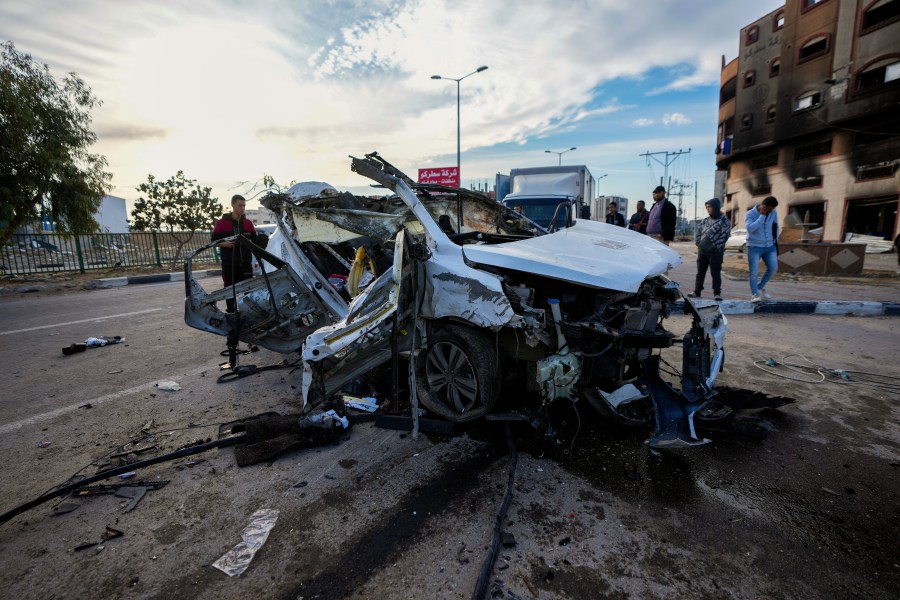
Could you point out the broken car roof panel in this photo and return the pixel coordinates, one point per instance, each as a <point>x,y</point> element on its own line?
<point>589,253</point>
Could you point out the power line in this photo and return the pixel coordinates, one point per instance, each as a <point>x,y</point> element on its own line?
<point>665,163</point>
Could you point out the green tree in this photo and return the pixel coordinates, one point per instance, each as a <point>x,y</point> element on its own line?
<point>45,138</point>
<point>178,206</point>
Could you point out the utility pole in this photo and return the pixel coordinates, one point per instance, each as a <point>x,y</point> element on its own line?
<point>665,163</point>
<point>696,219</point>
<point>680,187</point>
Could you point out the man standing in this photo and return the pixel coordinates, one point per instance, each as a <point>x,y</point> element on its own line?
<point>762,235</point>
<point>237,262</point>
<point>661,221</point>
<point>638,221</point>
<point>710,237</point>
<point>614,217</point>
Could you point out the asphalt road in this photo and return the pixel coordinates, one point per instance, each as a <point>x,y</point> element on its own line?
<point>39,378</point>
<point>810,511</point>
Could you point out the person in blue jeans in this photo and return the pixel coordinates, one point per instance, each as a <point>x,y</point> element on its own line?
<point>762,235</point>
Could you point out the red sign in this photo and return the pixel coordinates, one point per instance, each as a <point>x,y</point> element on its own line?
<point>448,176</point>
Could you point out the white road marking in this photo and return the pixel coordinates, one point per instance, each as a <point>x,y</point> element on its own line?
<point>137,312</point>
<point>98,401</point>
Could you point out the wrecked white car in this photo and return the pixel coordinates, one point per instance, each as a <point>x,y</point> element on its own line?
<point>493,313</point>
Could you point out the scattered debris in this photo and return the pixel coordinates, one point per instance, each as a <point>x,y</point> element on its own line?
<point>507,539</point>
<point>168,386</point>
<point>86,405</point>
<point>133,493</point>
<point>367,403</point>
<point>111,533</point>
<point>65,507</point>
<point>114,372</point>
<point>147,426</point>
<point>108,534</point>
<point>92,342</point>
<point>235,561</point>
<point>565,541</point>
<point>300,484</point>
<point>832,492</point>
<point>43,444</point>
<point>127,475</point>
<point>85,546</point>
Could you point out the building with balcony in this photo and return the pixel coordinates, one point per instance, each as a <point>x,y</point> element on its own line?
<point>809,112</point>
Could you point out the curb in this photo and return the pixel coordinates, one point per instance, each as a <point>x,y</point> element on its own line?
<point>111,282</point>
<point>729,307</point>
<point>799,307</point>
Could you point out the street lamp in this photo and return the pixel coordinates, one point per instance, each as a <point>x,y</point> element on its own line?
<point>560,153</point>
<point>458,169</point>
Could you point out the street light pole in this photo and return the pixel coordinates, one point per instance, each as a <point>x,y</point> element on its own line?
<point>560,153</point>
<point>458,137</point>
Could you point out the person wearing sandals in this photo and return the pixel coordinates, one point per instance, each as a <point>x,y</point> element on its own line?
<point>710,236</point>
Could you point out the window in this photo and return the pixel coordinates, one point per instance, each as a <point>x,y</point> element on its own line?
<point>746,121</point>
<point>812,150</point>
<point>749,78</point>
<point>778,21</point>
<point>808,182</point>
<point>879,14</point>
<point>764,162</point>
<point>774,67</point>
<point>880,72</point>
<point>813,48</point>
<point>728,91</point>
<point>808,100</point>
<point>876,171</point>
<point>752,35</point>
<point>761,188</point>
<point>770,114</point>
<point>806,5</point>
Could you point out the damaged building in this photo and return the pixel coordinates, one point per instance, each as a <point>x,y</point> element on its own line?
<point>808,114</point>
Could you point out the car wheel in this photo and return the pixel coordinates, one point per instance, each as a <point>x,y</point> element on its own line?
<point>459,374</point>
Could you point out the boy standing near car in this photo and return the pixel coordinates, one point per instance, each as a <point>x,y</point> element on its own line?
<point>237,260</point>
<point>710,237</point>
<point>614,217</point>
<point>762,238</point>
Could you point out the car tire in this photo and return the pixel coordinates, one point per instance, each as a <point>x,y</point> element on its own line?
<point>459,375</point>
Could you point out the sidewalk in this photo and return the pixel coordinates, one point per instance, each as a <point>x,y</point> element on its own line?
<point>876,294</point>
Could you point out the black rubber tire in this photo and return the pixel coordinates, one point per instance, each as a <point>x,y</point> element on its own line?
<point>459,374</point>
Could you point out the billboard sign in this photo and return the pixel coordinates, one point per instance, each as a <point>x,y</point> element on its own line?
<point>448,176</point>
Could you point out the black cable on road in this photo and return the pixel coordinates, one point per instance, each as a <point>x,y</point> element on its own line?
<point>66,489</point>
<point>487,567</point>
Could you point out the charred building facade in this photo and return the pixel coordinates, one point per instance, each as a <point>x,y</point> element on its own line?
<point>809,112</point>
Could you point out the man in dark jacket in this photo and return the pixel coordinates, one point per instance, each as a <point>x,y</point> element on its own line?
<point>614,217</point>
<point>663,214</point>
<point>638,221</point>
<point>710,236</point>
<point>237,262</point>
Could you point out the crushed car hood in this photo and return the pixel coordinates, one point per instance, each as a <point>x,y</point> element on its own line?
<point>589,253</point>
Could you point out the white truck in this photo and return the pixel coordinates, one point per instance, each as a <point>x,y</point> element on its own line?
<point>552,197</point>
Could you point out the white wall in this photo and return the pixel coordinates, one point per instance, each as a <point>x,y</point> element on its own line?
<point>112,215</point>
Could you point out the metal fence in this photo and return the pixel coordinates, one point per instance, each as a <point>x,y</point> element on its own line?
<point>50,252</point>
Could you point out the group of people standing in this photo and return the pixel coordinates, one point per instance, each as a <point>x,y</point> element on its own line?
<point>658,222</point>
<point>710,236</point>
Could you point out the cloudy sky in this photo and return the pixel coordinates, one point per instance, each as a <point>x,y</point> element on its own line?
<point>228,91</point>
